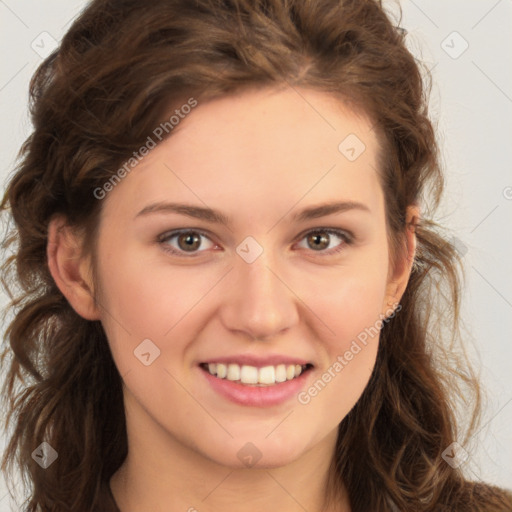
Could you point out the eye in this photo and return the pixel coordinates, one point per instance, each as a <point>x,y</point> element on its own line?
<point>324,240</point>
<point>189,242</point>
<point>185,241</point>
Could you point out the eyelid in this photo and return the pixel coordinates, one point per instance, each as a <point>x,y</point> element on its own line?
<point>173,232</point>
<point>325,229</point>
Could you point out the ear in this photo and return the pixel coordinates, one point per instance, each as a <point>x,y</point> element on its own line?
<point>70,270</point>
<point>397,282</point>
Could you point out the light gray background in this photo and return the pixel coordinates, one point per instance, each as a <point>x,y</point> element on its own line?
<point>472,105</point>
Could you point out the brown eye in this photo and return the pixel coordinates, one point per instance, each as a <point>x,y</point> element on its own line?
<point>189,241</point>
<point>326,241</point>
<point>180,242</point>
<point>318,241</point>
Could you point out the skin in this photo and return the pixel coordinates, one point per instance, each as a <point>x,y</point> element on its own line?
<point>259,157</point>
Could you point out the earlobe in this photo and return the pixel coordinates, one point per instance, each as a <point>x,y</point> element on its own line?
<point>69,269</point>
<point>398,282</point>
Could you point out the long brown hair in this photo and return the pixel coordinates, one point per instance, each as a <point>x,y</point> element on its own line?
<point>93,102</point>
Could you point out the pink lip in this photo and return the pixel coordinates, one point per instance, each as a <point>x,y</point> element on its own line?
<point>257,396</point>
<point>259,362</point>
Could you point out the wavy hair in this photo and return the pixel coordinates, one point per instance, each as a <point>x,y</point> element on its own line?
<point>93,102</point>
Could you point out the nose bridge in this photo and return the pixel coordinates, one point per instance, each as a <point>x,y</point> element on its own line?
<point>260,303</point>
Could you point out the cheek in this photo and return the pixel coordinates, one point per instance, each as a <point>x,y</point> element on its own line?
<point>149,294</point>
<point>350,305</point>
<point>349,301</point>
<point>352,312</point>
<point>146,300</point>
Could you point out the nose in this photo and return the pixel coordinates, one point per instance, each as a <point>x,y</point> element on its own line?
<point>259,302</point>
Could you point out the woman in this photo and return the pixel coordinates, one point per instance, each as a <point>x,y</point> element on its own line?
<point>226,278</point>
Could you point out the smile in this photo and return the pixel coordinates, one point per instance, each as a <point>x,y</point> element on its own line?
<point>252,375</point>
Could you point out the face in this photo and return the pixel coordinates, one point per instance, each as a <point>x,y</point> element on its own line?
<point>214,254</point>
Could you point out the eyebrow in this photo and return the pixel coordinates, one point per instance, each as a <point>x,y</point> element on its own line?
<point>211,215</point>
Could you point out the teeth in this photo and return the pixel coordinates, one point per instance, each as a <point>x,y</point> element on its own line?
<point>249,374</point>
<point>221,371</point>
<point>233,372</point>
<point>267,375</point>
<point>281,373</point>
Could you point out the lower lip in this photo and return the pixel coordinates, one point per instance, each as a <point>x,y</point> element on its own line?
<point>257,396</point>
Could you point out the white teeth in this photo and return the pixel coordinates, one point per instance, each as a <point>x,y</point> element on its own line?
<point>221,370</point>
<point>281,373</point>
<point>249,375</point>
<point>267,375</point>
<point>233,372</point>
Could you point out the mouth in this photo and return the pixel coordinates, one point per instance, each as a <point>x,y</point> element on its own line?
<point>254,376</point>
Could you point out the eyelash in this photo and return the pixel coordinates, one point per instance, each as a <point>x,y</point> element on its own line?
<point>347,237</point>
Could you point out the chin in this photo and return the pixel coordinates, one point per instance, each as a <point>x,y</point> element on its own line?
<point>257,454</point>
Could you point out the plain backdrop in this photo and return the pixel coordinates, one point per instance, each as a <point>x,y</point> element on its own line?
<point>467,44</point>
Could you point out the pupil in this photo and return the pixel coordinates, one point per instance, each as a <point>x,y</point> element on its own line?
<point>190,241</point>
<point>319,241</point>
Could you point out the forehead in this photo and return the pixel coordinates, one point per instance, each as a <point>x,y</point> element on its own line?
<point>260,149</point>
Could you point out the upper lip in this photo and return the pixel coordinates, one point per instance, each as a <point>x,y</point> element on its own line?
<point>258,361</point>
